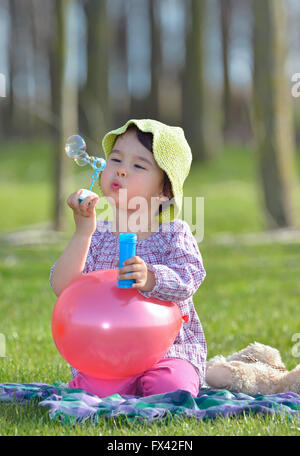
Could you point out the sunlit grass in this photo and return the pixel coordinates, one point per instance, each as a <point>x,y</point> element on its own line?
<point>250,292</point>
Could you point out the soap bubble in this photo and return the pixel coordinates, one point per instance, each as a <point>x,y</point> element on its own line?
<point>97,163</point>
<point>75,148</point>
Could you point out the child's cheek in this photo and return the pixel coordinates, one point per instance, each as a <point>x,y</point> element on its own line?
<point>105,177</point>
<point>141,184</point>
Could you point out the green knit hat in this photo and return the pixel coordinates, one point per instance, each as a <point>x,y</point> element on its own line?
<point>171,152</point>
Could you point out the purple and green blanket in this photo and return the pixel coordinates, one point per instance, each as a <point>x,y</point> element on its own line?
<point>70,405</point>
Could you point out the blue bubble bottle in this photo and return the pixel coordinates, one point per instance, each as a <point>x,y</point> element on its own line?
<point>127,250</point>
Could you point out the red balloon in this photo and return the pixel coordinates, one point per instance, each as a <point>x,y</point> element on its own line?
<point>107,332</point>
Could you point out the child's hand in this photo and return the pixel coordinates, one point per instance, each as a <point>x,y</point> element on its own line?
<point>84,213</point>
<point>144,279</point>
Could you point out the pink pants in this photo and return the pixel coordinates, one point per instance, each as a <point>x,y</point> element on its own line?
<point>169,374</point>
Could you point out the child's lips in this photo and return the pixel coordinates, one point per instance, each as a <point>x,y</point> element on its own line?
<point>116,185</point>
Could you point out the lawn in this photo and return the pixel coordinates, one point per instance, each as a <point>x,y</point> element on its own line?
<point>251,292</point>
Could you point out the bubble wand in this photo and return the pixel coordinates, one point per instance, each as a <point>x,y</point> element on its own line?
<point>75,148</point>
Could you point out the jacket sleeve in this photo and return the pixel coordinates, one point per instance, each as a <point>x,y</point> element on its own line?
<point>182,272</point>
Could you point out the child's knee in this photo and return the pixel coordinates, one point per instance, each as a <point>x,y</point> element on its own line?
<point>168,378</point>
<point>155,385</point>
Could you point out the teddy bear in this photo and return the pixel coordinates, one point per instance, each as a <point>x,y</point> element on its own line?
<point>257,369</point>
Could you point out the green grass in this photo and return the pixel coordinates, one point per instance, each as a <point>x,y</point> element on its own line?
<point>232,196</point>
<point>27,184</point>
<point>250,292</point>
<point>228,185</point>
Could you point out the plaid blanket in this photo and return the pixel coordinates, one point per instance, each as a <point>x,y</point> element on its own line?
<point>69,405</point>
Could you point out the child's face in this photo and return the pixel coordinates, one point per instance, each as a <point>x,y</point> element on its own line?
<point>133,166</point>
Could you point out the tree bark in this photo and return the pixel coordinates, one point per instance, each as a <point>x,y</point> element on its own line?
<point>64,104</point>
<point>225,23</point>
<point>273,126</point>
<point>197,120</point>
<point>120,65</point>
<point>94,99</point>
<point>155,66</point>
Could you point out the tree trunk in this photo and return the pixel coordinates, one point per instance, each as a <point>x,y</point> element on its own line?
<point>9,105</point>
<point>63,107</point>
<point>120,95</point>
<point>196,111</point>
<point>155,65</point>
<point>225,23</point>
<point>94,97</point>
<point>273,127</point>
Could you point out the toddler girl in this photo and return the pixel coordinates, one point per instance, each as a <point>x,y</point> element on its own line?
<point>149,160</point>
